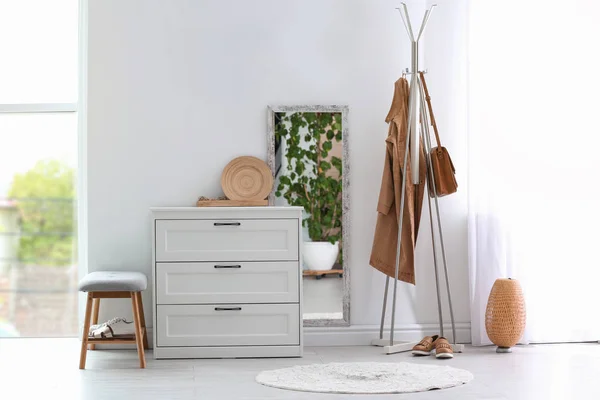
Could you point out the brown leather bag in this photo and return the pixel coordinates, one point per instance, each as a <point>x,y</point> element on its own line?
<point>443,168</point>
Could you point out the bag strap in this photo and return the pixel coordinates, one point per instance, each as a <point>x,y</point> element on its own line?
<point>428,98</point>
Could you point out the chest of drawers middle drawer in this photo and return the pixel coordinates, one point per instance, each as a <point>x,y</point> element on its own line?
<point>227,282</point>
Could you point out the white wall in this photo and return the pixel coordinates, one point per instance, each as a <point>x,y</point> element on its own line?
<point>178,88</point>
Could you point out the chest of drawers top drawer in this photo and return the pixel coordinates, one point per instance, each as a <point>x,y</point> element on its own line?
<point>226,240</point>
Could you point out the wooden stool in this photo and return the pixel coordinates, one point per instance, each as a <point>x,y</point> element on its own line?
<point>114,285</point>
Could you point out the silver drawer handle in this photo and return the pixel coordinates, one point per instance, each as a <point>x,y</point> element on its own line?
<point>227,223</point>
<point>228,266</point>
<point>228,308</point>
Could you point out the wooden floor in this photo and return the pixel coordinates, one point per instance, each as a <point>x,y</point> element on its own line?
<point>47,369</point>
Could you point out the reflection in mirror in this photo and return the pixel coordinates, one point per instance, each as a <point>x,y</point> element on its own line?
<point>309,168</point>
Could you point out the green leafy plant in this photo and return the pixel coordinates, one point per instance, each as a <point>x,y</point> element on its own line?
<point>312,178</point>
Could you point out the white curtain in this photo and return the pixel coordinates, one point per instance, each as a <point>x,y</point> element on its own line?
<point>534,162</point>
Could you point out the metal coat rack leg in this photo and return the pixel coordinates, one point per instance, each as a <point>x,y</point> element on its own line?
<point>417,112</point>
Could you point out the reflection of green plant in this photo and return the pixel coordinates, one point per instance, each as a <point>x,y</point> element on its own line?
<point>309,180</point>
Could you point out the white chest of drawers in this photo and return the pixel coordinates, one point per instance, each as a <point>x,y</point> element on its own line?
<point>227,282</point>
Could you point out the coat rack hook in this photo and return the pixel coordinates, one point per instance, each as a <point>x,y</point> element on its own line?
<point>406,19</point>
<point>425,20</point>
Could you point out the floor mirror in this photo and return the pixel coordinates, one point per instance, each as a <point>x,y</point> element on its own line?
<point>308,155</point>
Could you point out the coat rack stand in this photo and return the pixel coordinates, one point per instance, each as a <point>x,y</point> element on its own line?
<point>417,112</point>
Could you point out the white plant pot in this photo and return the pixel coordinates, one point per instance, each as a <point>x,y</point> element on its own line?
<point>319,256</point>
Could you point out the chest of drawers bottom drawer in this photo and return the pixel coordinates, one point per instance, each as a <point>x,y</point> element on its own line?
<point>228,325</point>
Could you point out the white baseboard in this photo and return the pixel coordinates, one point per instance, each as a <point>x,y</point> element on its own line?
<point>361,335</point>
<point>358,335</point>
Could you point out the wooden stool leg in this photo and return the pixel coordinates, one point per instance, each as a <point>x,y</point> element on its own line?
<point>86,328</point>
<point>138,330</point>
<point>95,312</point>
<point>142,319</point>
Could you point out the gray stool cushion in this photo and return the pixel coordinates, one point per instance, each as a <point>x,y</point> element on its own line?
<point>113,281</point>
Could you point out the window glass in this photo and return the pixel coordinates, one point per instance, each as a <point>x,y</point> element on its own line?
<point>38,51</point>
<point>38,269</point>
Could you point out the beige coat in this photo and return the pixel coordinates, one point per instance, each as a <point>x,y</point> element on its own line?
<point>383,254</point>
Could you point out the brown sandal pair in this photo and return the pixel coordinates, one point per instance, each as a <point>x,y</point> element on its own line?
<point>436,343</point>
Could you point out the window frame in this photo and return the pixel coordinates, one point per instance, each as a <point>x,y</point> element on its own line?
<point>36,108</point>
<point>79,106</point>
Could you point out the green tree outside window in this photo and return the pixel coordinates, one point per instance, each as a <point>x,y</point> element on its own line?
<point>45,199</point>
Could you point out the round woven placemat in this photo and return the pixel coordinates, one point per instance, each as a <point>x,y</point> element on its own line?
<point>247,178</point>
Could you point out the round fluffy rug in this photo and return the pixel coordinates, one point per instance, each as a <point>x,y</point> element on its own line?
<point>365,378</point>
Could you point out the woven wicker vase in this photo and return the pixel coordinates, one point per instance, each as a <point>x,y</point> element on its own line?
<point>505,314</point>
